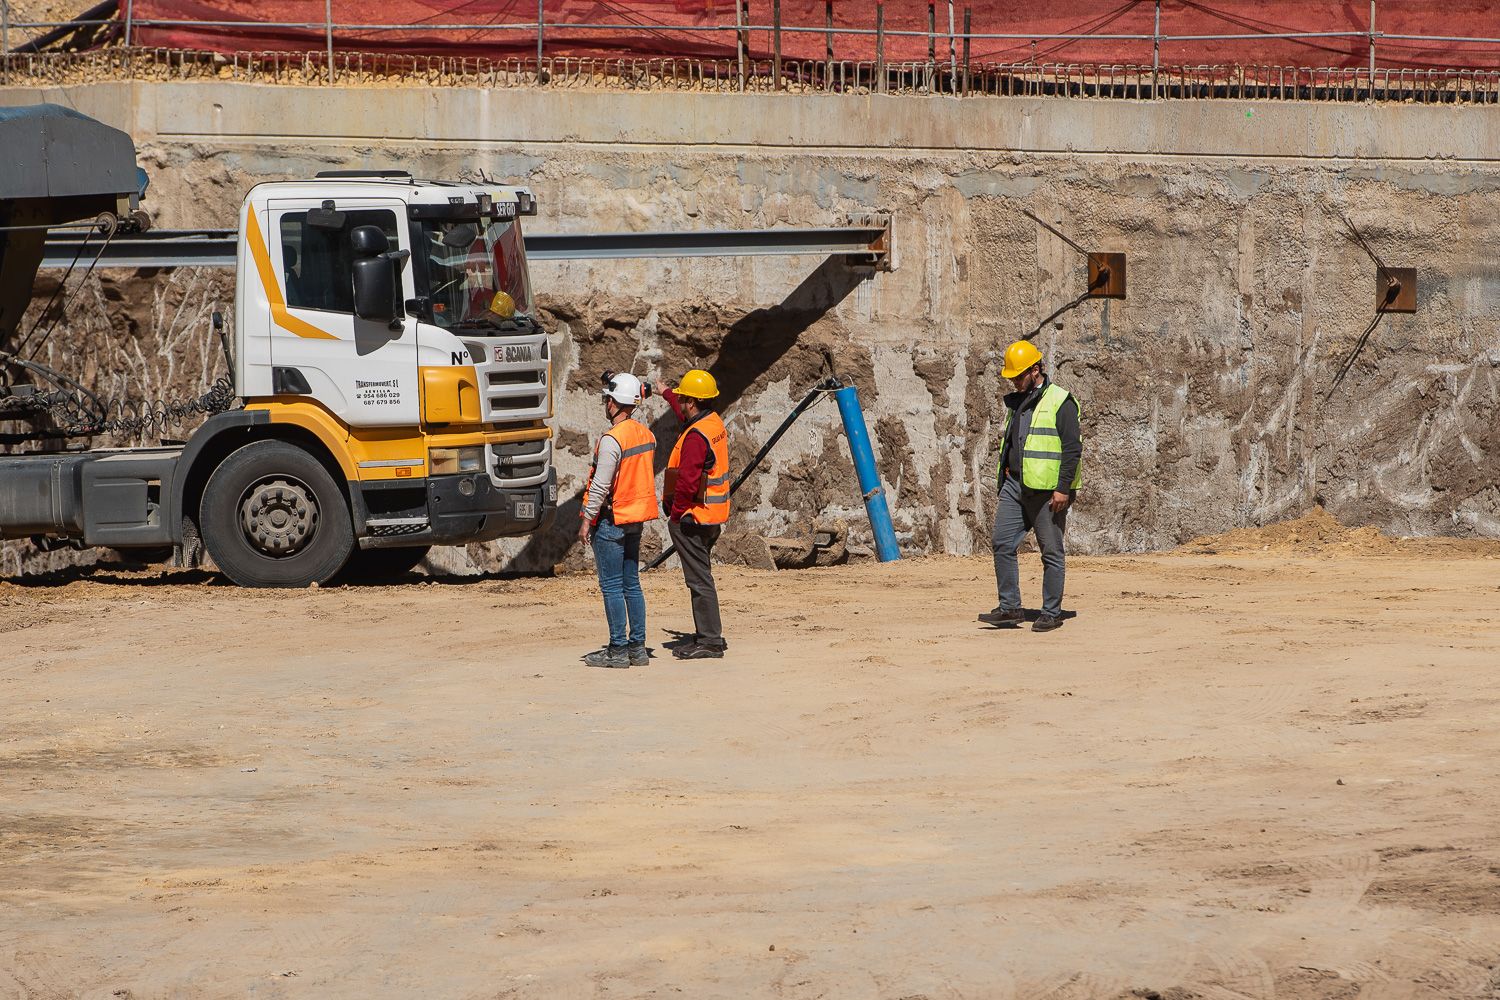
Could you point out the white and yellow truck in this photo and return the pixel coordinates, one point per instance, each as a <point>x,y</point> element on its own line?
<point>392,384</point>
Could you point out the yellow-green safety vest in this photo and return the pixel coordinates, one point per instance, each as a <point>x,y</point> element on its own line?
<point>1041,452</point>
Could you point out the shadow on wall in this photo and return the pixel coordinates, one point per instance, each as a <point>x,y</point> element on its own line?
<point>748,350</point>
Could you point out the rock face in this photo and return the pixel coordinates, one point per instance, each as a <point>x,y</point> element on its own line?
<point>1203,392</point>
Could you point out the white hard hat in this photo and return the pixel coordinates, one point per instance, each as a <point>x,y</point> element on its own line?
<point>624,389</point>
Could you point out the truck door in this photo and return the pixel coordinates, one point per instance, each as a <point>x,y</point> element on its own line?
<point>363,370</point>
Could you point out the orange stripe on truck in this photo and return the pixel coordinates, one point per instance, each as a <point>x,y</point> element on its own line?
<point>279,314</point>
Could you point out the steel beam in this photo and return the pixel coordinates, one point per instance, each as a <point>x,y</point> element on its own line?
<point>216,247</point>
<point>706,243</point>
<point>154,248</point>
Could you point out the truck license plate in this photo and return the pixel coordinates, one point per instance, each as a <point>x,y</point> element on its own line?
<point>525,509</point>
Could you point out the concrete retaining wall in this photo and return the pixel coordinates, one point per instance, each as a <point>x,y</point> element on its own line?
<point>1202,392</point>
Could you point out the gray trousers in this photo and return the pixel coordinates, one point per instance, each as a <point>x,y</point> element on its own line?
<point>695,546</point>
<point>1021,510</point>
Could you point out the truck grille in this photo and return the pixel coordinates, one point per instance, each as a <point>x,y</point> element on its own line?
<point>519,463</point>
<point>523,392</point>
<point>513,374</point>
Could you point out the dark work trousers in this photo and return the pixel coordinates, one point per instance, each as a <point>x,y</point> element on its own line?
<point>695,546</point>
<point>1021,510</point>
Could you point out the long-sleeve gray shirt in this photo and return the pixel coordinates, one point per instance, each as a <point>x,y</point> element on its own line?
<point>606,464</point>
<point>1022,406</point>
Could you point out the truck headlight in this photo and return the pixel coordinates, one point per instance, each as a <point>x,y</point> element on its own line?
<point>446,461</point>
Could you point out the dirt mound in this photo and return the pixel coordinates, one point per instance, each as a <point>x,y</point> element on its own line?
<point>1319,533</point>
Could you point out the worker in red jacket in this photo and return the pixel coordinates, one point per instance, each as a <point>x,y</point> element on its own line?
<point>696,496</point>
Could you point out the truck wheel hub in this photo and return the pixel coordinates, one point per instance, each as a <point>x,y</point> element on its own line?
<point>279,516</point>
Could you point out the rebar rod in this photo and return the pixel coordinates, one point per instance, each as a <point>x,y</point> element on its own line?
<point>1037,219</point>
<point>328,20</point>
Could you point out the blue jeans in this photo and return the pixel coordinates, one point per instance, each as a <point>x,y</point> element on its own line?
<point>617,557</point>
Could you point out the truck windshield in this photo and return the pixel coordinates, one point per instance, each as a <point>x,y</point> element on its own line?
<point>476,273</point>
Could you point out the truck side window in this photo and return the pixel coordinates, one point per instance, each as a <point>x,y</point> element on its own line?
<point>318,265</point>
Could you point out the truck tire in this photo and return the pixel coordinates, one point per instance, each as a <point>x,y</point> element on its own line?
<point>272,516</point>
<point>379,565</point>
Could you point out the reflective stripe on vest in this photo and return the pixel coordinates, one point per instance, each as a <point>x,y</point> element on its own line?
<point>1041,452</point>
<point>711,506</point>
<point>632,495</point>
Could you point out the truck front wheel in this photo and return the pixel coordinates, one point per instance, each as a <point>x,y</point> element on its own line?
<point>272,516</point>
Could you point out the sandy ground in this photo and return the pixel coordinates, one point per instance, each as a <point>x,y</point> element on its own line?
<point>1251,770</point>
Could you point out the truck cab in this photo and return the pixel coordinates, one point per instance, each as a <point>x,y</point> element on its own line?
<point>393,318</point>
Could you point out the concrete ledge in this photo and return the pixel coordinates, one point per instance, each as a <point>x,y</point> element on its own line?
<point>1241,129</point>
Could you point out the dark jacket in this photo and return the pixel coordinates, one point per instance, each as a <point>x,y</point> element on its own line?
<point>1022,405</point>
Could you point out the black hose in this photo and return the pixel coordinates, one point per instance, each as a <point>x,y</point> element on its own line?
<point>814,394</point>
<point>88,19</point>
<point>113,227</point>
<point>52,299</point>
<point>84,413</point>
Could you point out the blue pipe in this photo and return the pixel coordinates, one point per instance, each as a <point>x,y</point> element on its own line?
<point>886,549</point>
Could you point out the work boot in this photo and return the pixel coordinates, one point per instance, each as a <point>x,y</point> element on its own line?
<point>1046,623</point>
<point>639,656</point>
<point>698,651</point>
<point>1003,616</point>
<point>609,656</point>
<point>684,641</point>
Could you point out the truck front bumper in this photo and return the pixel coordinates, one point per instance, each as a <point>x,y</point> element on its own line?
<point>468,507</point>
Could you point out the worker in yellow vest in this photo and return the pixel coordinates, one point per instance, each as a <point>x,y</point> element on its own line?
<point>620,497</point>
<point>1041,468</point>
<point>696,496</point>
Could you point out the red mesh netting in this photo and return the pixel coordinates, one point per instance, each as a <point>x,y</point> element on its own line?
<point>650,34</point>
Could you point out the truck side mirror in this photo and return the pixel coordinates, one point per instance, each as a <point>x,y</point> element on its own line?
<point>368,241</point>
<point>326,218</point>
<point>374,275</point>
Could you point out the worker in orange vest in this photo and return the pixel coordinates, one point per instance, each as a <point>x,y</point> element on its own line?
<point>620,497</point>
<point>696,497</point>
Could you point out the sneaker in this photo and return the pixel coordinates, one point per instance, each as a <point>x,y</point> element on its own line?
<point>1046,623</point>
<point>639,655</point>
<point>609,656</point>
<point>698,651</point>
<point>1002,616</point>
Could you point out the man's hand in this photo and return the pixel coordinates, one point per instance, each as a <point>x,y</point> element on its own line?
<point>1059,501</point>
<point>661,387</point>
<point>583,531</point>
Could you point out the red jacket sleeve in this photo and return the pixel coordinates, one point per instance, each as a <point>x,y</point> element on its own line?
<point>695,455</point>
<point>671,398</point>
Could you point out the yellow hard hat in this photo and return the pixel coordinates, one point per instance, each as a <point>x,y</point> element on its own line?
<point>698,384</point>
<point>1020,356</point>
<point>503,305</point>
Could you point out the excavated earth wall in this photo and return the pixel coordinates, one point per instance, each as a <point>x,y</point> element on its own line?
<point>1202,392</point>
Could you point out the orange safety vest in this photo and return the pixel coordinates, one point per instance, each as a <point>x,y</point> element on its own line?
<point>633,494</point>
<point>712,502</point>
